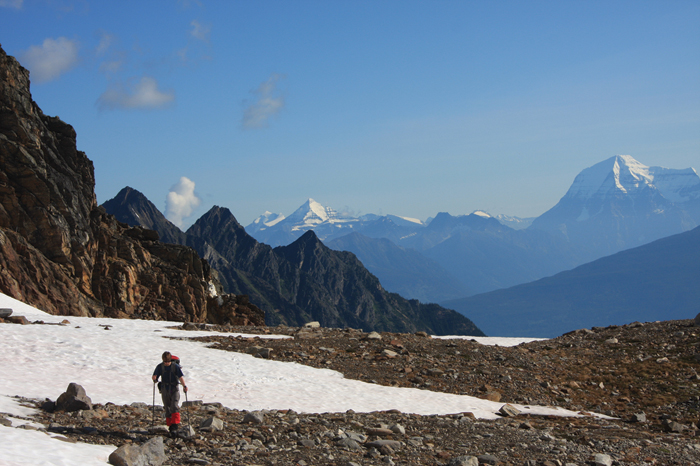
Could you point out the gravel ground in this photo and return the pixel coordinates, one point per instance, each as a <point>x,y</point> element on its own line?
<point>643,375</point>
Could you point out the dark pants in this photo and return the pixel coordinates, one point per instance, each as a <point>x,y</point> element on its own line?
<point>171,399</point>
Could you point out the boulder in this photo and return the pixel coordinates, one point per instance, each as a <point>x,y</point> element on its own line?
<point>254,417</point>
<point>151,453</point>
<point>212,424</point>
<point>508,410</point>
<point>18,320</point>
<point>73,399</point>
<point>601,459</point>
<point>5,312</point>
<point>697,320</point>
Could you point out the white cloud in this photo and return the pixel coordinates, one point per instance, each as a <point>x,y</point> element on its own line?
<point>269,103</point>
<point>17,4</point>
<point>200,31</point>
<point>143,94</point>
<point>181,201</point>
<point>50,59</point>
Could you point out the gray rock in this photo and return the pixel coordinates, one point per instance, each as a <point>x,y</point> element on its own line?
<point>389,354</point>
<point>639,417</point>
<point>397,429</point>
<point>601,459</point>
<point>348,443</point>
<point>151,453</point>
<point>312,325</point>
<point>697,320</point>
<point>360,438</point>
<point>672,426</point>
<point>212,424</point>
<point>393,444</point>
<point>464,461</point>
<point>487,459</point>
<point>254,417</point>
<point>73,399</point>
<point>308,443</point>
<point>5,312</point>
<point>373,336</point>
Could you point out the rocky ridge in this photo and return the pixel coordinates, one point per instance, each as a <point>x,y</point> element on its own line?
<point>642,375</point>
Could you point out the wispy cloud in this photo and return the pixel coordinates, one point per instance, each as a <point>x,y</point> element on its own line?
<point>269,103</point>
<point>17,4</point>
<point>106,41</point>
<point>181,201</point>
<point>52,58</point>
<point>200,31</point>
<point>141,94</point>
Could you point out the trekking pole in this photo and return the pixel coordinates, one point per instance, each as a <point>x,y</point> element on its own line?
<point>188,410</point>
<point>153,410</point>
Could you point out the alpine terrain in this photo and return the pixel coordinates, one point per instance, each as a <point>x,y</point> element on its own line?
<point>295,284</point>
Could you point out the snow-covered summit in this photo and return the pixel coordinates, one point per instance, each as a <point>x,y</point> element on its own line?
<point>312,214</point>
<point>624,174</point>
<point>481,213</point>
<point>266,220</point>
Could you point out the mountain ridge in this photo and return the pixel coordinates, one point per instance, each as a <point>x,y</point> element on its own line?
<point>305,280</point>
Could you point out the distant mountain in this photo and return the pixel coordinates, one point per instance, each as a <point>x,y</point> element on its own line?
<point>487,255</point>
<point>516,223</point>
<point>657,281</point>
<point>620,203</point>
<point>403,271</point>
<point>328,224</point>
<point>133,208</point>
<point>304,281</point>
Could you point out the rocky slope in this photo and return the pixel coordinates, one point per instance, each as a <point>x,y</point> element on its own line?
<point>643,376</point>
<point>61,252</point>
<point>302,282</point>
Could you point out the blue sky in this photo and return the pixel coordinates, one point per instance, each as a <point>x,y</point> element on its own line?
<point>396,107</point>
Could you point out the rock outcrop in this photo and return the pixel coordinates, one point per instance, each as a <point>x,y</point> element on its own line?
<point>61,252</point>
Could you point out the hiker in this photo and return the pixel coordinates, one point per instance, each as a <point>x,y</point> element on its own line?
<point>172,376</point>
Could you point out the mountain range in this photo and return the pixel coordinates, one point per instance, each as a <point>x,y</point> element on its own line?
<point>294,284</point>
<point>614,205</point>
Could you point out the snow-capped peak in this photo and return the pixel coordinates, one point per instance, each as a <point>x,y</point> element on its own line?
<point>266,220</point>
<point>624,174</point>
<point>481,213</point>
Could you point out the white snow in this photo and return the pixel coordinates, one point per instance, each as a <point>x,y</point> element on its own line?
<point>114,358</point>
<point>481,213</point>
<point>622,173</point>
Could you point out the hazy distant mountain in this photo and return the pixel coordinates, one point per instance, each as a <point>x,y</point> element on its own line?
<point>486,255</point>
<point>516,223</point>
<point>657,281</point>
<point>301,282</point>
<point>620,203</point>
<point>327,223</point>
<point>403,271</point>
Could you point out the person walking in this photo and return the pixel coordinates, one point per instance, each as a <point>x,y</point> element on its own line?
<point>171,377</point>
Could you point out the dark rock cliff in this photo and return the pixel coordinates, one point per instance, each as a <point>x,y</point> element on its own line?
<point>62,253</point>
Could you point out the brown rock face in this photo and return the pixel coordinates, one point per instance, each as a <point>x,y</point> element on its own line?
<point>62,253</point>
